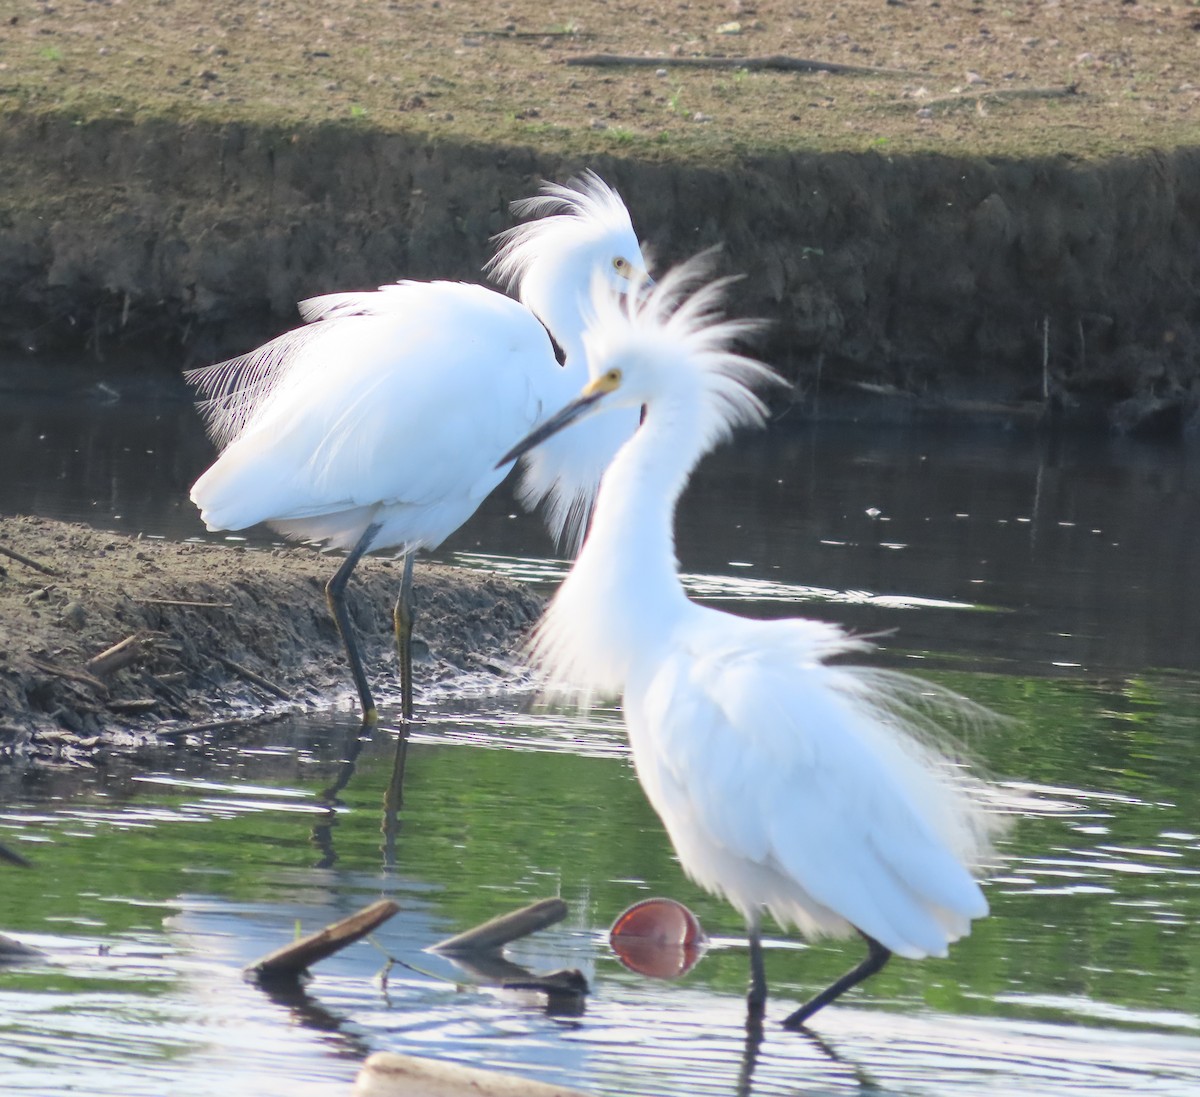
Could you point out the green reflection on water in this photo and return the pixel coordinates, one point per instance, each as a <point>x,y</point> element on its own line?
<point>1091,904</point>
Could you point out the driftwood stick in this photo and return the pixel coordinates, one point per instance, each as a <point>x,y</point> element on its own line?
<point>988,95</point>
<point>777,62</point>
<point>288,962</point>
<point>20,558</point>
<point>175,731</point>
<point>66,672</point>
<point>12,949</point>
<point>497,932</point>
<point>135,705</point>
<point>390,1074</point>
<point>121,654</point>
<point>531,35</point>
<point>253,678</point>
<point>184,602</point>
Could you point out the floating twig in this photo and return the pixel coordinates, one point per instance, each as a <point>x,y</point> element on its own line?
<point>253,677</point>
<point>776,62</point>
<point>499,931</point>
<point>21,558</point>
<point>291,960</point>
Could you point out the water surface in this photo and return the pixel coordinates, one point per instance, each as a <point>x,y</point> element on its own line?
<point>1051,581</point>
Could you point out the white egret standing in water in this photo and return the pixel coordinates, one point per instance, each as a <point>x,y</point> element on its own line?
<point>378,424</point>
<point>787,782</point>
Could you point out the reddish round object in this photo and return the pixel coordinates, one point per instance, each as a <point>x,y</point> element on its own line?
<point>658,937</point>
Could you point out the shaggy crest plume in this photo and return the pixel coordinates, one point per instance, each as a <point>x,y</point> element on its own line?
<point>686,330</point>
<point>586,205</point>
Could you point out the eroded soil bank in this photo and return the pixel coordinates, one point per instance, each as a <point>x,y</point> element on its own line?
<point>214,634</point>
<point>1071,286</point>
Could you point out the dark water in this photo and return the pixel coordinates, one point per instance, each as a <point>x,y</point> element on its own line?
<point>1053,582</point>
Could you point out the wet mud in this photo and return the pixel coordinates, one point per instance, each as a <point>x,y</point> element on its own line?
<point>111,643</point>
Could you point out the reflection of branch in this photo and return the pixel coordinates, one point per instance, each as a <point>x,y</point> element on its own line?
<point>777,62</point>
<point>565,990</point>
<point>310,1013</point>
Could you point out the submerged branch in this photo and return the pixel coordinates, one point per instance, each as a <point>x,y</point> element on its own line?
<point>291,960</point>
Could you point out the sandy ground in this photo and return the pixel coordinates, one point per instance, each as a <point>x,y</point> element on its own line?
<point>924,74</point>
<point>219,634</point>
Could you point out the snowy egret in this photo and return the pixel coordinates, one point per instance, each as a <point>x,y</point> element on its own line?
<point>378,424</point>
<point>787,783</point>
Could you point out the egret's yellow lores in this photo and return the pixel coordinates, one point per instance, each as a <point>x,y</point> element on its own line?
<point>787,782</point>
<point>378,423</point>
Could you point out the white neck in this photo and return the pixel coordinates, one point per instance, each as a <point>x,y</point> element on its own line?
<point>558,302</point>
<point>623,597</point>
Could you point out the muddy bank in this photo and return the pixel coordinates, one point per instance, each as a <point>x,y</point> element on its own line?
<point>219,634</point>
<point>1050,283</point>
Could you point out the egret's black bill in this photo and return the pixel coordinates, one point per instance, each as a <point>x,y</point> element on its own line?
<point>550,427</point>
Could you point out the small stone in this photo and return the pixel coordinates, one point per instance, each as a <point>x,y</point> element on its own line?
<point>74,615</point>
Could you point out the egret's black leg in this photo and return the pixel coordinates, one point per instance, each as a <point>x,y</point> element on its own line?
<point>877,956</point>
<point>335,595</point>
<point>756,996</point>
<point>402,617</point>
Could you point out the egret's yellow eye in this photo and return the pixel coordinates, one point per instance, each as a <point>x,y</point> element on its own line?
<point>608,381</point>
<point>621,266</point>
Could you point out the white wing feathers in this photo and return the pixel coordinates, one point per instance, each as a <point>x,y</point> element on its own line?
<point>353,411</point>
<point>818,800</point>
<point>236,391</point>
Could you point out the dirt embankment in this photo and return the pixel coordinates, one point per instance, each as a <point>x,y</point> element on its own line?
<point>1066,285</point>
<point>968,202</point>
<point>214,634</point>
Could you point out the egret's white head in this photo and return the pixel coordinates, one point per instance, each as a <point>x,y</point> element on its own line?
<point>581,230</point>
<point>667,348</point>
